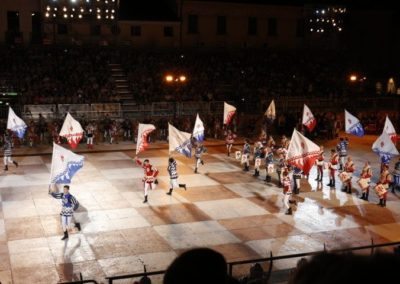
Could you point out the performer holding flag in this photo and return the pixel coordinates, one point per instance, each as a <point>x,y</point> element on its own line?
<point>16,124</point>
<point>198,130</point>
<point>390,130</point>
<point>308,120</point>
<point>353,125</point>
<point>64,166</point>
<point>385,148</point>
<point>179,141</point>
<point>72,131</point>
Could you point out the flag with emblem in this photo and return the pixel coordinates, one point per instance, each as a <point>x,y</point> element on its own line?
<point>64,165</point>
<point>179,141</point>
<point>302,152</point>
<point>390,130</point>
<point>16,124</point>
<point>385,148</point>
<point>353,125</point>
<point>270,113</point>
<point>229,112</point>
<point>198,130</point>
<point>72,131</point>
<point>309,120</point>
<point>143,132</point>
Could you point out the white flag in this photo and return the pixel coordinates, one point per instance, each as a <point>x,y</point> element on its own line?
<point>64,165</point>
<point>143,132</point>
<point>271,112</point>
<point>16,124</point>
<point>385,148</point>
<point>390,130</point>
<point>198,130</point>
<point>309,120</point>
<point>353,125</point>
<point>179,141</point>
<point>72,130</point>
<point>302,152</point>
<point>229,112</point>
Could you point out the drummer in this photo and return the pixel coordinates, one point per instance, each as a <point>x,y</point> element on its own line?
<point>347,174</point>
<point>383,184</point>
<point>364,180</point>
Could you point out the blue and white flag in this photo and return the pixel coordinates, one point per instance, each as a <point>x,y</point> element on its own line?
<point>64,165</point>
<point>353,125</point>
<point>179,141</point>
<point>198,130</point>
<point>385,148</point>
<point>16,124</point>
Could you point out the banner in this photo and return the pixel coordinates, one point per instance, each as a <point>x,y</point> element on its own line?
<point>64,165</point>
<point>179,141</point>
<point>16,124</point>
<point>390,130</point>
<point>229,112</point>
<point>385,148</point>
<point>198,130</point>
<point>143,132</point>
<point>309,120</point>
<point>271,111</point>
<point>72,130</point>
<point>353,125</point>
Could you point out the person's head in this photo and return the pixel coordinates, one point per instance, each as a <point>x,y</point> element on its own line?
<point>366,163</point>
<point>349,158</point>
<point>171,160</point>
<point>66,189</point>
<point>246,140</point>
<point>146,162</point>
<point>197,266</point>
<point>333,151</point>
<point>341,138</point>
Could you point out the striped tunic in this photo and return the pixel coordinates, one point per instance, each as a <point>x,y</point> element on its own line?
<point>172,170</point>
<point>7,149</point>
<point>68,202</point>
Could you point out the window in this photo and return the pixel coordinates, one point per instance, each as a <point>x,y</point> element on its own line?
<point>300,28</point>
<point>272,27</point>
<point>62,29</point>
<point>193,24</point>
<point>95,30</point>
<point>252,26</point>
<point>221,25</point>
<point>136,30</point>
<point>168,31</point>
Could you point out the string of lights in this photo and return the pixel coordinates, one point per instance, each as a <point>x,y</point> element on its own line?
<point>327,19</point>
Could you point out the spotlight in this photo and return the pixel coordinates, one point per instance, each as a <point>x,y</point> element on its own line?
<point>353,78</point>
<point>182,78</point>
<point>169,78</point>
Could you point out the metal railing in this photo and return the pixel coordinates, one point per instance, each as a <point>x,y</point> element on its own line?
<point>80,281</point>
<point>270,259</point>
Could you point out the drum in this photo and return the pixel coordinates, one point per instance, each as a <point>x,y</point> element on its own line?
<point>244,159</point>
<point>238,155</point>
<point>344,176</point>
<point>270,168</point>
<point>257,162</point>
<point>363,183</point>
<point>380,189</point>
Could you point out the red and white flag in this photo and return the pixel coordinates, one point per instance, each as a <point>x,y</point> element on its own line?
<point>302,152</point>
<point>229,112</point>
<point>390,130</point>
<point>143,132</point>
<point>309,120</point>
<point>72,130</point>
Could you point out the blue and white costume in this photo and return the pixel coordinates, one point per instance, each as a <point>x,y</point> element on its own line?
<point>68,203</point>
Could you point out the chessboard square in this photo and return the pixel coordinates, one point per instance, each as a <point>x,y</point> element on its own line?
<point>19,209</point>
<point>2,228</point>
<point>109,156</point>
<point>15,194</point>
<point>253,189</point>
<point>193,180</point>
<point>75,250</point>
<point>204,193</point>
<point>218,167</point>
<point>388,231</point>
<point>90,269</point>
<point>114,173</point>
<point>271,203</point>
<point>113,164</point>
<point>370,214</point>
<point>30,160</point>
<point>233,177</point>
<point>145,240</point>
<point>18,180</point>
<point>23,228</point>
<point>34,169</point>
<point>230,208</point>
<point>172,214</point>
<point>236,252</point>
<point>109,244</point>
<point>5,275</point>
<point>156,197</point>
<point>38,258</point>
<point>198,234</point>
<point>41,274</point>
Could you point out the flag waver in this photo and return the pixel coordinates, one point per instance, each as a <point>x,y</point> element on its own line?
<point>385,148</point>
<point>229,112</point>
<point>353,125</point>
<point>64,165</point>
<point>143,132</point>
<point>72,130</point>
<point>390,130</point>
<point>198,130</point>
<point>302,152</point>
<point>179,141</point>
<point>270,113</point>
<point>308,120</point>
<point>16,124</point>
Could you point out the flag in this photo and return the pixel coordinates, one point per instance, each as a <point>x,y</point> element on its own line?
<point>179,141</point>
<point>309,120</point>
<point>143,131</point>
<point>271,111</point>
<point>16,124</point>
<point>64,165</point>
<point>198,130</point>
<point>302,152</point>
<point>353,125</point>
<point>385,148</point>
<point>72,130</point>
<point>229,112</point>
<point>390,130</point>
